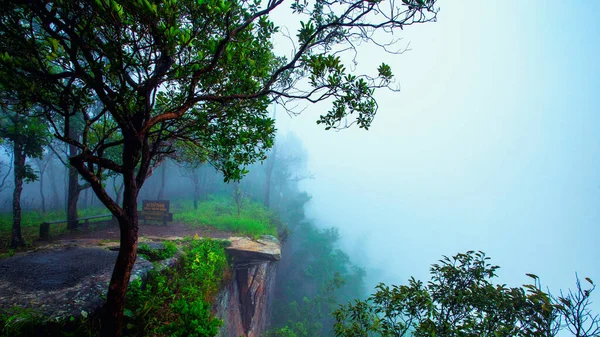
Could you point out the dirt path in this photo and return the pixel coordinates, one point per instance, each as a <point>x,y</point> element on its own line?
<point>111,232</point>
<point>69,272</point>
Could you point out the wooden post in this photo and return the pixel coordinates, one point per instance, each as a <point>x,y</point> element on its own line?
<point>44,231</point>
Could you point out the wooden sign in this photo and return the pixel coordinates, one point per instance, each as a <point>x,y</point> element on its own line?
<point>155,211</point>
<point>155,205</point>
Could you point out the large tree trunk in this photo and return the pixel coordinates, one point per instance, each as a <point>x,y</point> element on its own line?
<point>128,225</point>
<point>19,170</point>
<point>112,320</point>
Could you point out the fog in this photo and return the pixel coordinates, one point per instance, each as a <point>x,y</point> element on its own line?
<point>492,145</point>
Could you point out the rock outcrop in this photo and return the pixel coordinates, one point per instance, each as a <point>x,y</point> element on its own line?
<point>244,304</point>
<point>70,280</point>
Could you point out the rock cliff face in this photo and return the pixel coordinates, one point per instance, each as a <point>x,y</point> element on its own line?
<point>244,304</point>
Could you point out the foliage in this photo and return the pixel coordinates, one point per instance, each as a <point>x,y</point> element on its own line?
<point>221,213</point>
<point>30,134</point>
<point>167,251</point>
<point>153,77</point>
<point>173,302</point>
<point>459,300</point>
<point>575,311</point>
<point>18,321</point>
<point>176,302</point>
<point>318,275</point>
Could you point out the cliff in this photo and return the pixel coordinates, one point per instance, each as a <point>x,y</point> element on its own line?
<point>244,303</point>
<point>70,280</point>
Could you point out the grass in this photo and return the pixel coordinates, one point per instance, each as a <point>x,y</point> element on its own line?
<point>221,213</point>
<point>31,220</point>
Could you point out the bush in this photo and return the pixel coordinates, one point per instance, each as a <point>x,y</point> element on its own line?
<point>176,302</point>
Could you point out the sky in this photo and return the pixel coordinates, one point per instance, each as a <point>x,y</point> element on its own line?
<point>492,144</point>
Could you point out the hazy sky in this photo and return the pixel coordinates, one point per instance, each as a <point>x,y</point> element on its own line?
<point>492,144</point>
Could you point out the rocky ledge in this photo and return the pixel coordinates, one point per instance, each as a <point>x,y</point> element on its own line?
<point>244,249</point>
<point>71,279</point>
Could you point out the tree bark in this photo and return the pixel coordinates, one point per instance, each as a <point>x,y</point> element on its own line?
<point>19,170</point>
<point>112,320</point>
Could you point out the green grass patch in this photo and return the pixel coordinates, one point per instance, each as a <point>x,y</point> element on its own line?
<point>222,213</point>
<point>31,220</point>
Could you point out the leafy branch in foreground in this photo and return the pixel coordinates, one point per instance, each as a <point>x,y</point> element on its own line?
<point>461,300</point>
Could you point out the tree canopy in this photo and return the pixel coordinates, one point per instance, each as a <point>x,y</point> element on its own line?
<point>150,78</point>
<point>462,300</point>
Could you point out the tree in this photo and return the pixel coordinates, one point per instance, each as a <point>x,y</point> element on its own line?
<point>42,164</point>
<point>575,309</point>
<point>27,138</point>
<point>197,173</point>
<point>152,77</point>
<point>461,300</point>
<point>3,183</point>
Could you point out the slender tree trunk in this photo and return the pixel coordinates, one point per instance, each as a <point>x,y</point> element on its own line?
<point>118,191</point>
<point>268,174</point>
<point>196,193</point>
<point>55,203</point>
<point>267,188</point>
<point>163,178</point>
<point>19,169</point>
<point>42,192</point>
<point>73,187</point>
<point>72,198</point>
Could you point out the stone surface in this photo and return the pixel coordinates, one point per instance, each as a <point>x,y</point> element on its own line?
<point>247,250</point>
<point>61,282</point>
<point>244,304</point>
<point>71,277</point>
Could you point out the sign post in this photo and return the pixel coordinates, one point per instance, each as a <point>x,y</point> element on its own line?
<point>156,211</point>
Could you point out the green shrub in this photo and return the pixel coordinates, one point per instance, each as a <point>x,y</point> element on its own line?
<point>158,254</point>
<point>176,302</point>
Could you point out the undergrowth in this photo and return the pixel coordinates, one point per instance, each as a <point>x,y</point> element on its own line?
<point>168,250</point>
<point>173,302</point>
<point>222,213</point>
<point>176,301</point>
<point>31,220</point>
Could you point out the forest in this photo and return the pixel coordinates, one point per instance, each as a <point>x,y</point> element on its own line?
<point>120,112</point>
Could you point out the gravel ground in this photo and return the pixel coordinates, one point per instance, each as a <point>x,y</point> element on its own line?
<point>55,269</point>
<point>70,272</point>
